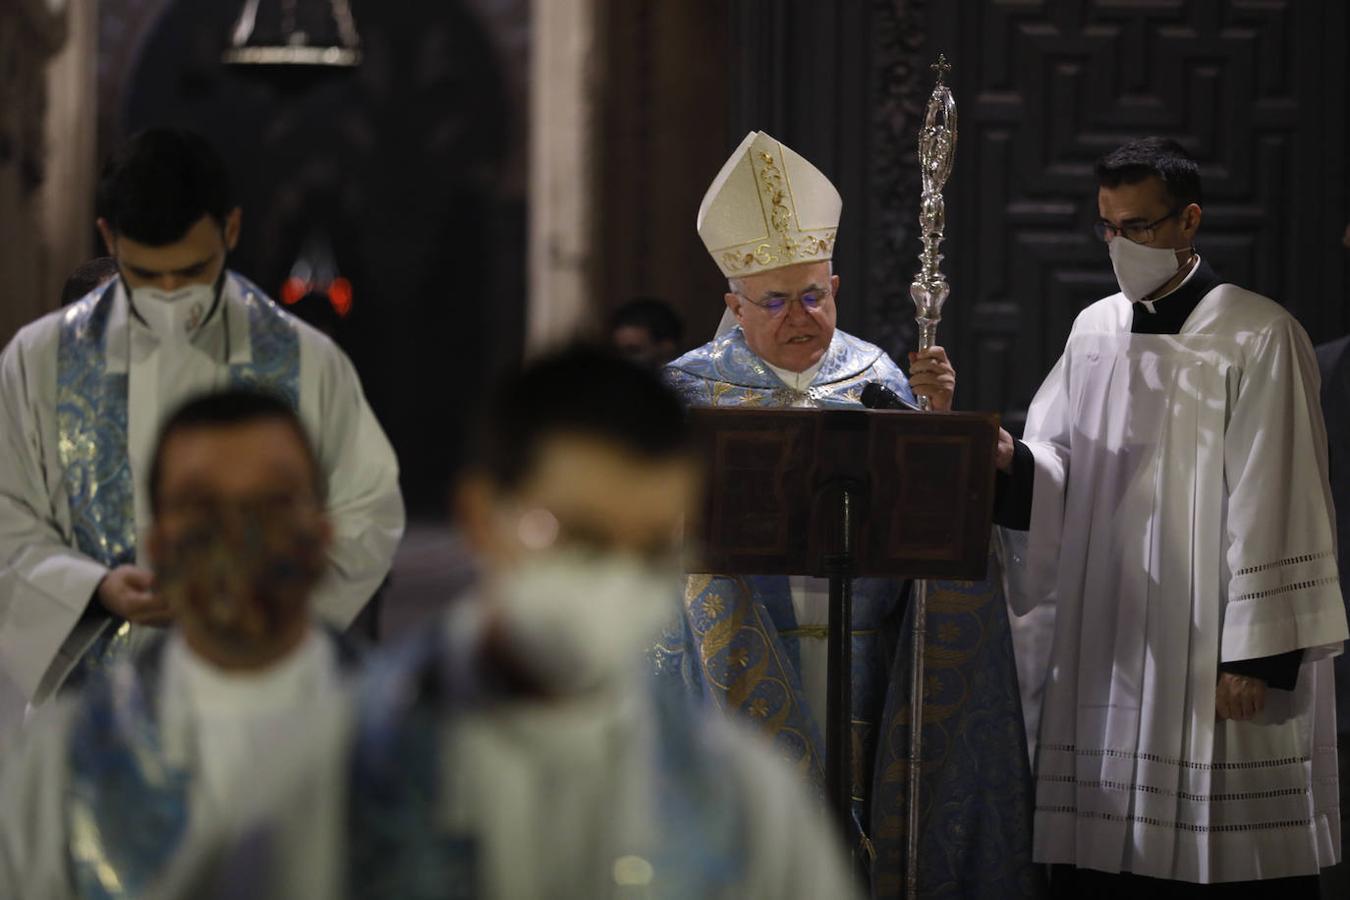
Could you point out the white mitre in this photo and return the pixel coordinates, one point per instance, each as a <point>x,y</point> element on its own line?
<point>768,208</point>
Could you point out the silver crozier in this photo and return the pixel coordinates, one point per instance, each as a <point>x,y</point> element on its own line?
<point>937,145</point>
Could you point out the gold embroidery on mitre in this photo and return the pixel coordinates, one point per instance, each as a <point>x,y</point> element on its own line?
<point>771,177</point>
<point>805,248</point>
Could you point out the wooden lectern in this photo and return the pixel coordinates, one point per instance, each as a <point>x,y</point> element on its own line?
<point>845,493</point>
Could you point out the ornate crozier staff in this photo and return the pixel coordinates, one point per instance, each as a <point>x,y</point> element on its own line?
<point>937,146</point>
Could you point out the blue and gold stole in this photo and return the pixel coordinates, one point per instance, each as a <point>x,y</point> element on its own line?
<point>126,806</point>
<point>737,647</point>
<point>91,421</point>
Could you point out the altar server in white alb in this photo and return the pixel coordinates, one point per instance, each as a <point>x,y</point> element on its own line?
<point>1173,481</point>
<point>82,395</point>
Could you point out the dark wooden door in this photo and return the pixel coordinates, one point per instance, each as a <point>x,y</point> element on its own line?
<point>1256,89</point>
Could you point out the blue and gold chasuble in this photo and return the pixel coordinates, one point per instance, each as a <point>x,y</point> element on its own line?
<point>91,415</point>
<point>128,806</point>
<point>737,647</point>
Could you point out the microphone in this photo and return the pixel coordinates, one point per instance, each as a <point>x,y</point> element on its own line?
<point>876,395</point>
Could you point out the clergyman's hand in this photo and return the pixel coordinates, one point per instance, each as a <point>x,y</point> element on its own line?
<point>931,375</point>
<point>1003,453</point>
<point>1239,697</point>
<point>128,593</point>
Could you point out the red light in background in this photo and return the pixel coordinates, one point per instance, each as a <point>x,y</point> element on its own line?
<point>293,290</point>
<point>340,295</point>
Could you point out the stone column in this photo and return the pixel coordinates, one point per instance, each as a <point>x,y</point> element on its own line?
<point>31,32</point>
<point>562,153</point>
<point>66,198</point>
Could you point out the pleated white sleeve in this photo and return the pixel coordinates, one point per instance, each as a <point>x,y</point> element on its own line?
<point>1284,593</point>
<point>364,502</point>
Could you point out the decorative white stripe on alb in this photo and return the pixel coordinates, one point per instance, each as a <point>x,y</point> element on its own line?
<point>1292,561</point>
<point>1178,826</point>
<point>1288,588</point>
<point>1183,795</point>
<point>1180,763</point>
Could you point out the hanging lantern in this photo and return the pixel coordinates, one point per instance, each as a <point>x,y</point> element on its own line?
<point>295,33</point>
<point>315,289</point>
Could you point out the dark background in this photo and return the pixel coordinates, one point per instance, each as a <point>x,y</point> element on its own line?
<point>413,165</point>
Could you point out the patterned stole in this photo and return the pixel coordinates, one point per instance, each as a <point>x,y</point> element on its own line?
<point>976,800</point>
<point>126,807</point>
<point>741,665</point>
<point>731,649</point>
<point>397,844</point>
<point>91,417</point>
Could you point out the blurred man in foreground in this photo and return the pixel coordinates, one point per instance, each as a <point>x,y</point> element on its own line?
<point>117,791</point>
<point>517,749</point>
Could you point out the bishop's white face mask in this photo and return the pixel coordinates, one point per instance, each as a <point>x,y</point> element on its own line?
<point>1141,270</point>
<point>174,315</point>
<point>577,620</point>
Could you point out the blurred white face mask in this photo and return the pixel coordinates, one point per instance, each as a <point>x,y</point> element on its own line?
<point>173,315</point>
<point>577,620</point>
<point>1141,270</point>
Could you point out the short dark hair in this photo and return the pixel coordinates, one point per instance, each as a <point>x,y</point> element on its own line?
<point>160,183</point>
<point>1153,157</point>
<point>657,316</point>
<point>229,408</point>
<point>88,276</point>
<point>583,390</point>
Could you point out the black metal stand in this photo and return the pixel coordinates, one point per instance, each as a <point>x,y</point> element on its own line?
<point>838,697</point>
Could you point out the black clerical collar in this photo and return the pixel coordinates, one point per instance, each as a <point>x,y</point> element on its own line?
<point>1171,311</point>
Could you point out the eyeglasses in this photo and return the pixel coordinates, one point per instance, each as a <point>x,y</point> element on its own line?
<point>1138,232</point>
<point>811,299</point>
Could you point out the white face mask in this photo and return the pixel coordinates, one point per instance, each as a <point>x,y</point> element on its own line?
<point>1141,270</point>
<point>576,621</point>
<point>174,315</point>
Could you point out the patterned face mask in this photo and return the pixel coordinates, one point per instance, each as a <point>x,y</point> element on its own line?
<point>242,572</point>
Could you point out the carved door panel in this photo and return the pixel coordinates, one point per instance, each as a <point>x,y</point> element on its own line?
<point>1255,91</point>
